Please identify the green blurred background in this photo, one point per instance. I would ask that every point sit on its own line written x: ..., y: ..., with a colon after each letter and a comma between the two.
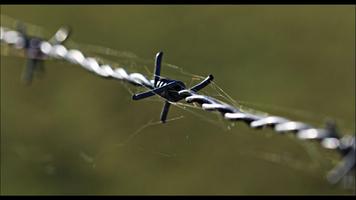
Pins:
x: 61, y: 134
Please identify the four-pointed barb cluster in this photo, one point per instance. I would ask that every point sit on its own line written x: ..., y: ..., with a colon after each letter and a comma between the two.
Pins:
x: 37, y: 49
x: 32, y: 46
x: 167, y: 88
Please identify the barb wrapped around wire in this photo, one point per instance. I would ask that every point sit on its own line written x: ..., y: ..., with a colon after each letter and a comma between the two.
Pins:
x: 38, y: 49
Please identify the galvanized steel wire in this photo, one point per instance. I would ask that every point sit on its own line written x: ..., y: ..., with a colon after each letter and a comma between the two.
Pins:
x: 328, y: 137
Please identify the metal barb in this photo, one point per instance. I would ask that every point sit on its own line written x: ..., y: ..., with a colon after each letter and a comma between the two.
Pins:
x: 173, y: 91
x: 33, y: 50
x: 168, y: 88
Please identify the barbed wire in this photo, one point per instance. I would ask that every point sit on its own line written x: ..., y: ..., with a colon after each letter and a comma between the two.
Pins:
x: 38, y: 49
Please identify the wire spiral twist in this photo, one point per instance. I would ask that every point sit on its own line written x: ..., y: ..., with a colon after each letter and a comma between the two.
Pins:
x: 328, y: 136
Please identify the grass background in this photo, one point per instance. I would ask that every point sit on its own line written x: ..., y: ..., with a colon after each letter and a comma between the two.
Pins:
x: 60, y: 135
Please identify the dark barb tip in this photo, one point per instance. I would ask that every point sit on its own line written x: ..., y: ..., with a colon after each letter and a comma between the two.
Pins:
x: 211, y: 77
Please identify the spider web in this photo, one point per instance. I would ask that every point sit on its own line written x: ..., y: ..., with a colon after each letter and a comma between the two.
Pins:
x: 134, y: 63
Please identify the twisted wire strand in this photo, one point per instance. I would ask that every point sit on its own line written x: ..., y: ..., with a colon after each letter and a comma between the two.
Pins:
x: 328, y: 137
